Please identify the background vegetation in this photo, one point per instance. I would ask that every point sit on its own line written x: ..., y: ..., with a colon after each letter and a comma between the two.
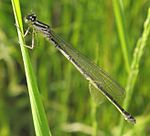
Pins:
x: 91, y: 27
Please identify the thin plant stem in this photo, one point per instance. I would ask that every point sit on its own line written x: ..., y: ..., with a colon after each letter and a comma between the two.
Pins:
x: 138, y: 52
x: 38, y: 112
x: 120, y: 22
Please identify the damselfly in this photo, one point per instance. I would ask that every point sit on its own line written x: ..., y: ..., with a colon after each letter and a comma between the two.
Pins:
x: 94, y: 74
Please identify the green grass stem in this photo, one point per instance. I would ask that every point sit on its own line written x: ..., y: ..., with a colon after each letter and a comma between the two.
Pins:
x: 120, y: 22
x: 38, y: 113
x: 138, y: 52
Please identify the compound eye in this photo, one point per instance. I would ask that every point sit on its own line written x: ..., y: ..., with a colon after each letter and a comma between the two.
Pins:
x: 31, y: 17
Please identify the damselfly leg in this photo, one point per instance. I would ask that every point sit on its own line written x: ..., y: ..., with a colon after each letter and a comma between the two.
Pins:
x: 26, y: 33
x: 33, y: 37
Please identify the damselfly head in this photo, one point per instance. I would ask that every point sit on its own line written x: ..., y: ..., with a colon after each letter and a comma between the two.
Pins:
x: 30, y: 18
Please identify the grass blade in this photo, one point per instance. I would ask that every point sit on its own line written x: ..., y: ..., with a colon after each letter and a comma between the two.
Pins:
x: 38, y: 113
x: 138, y: 52
x: 119, y: 17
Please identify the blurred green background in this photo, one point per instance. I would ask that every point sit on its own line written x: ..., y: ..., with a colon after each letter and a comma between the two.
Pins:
x: 90, y: 27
